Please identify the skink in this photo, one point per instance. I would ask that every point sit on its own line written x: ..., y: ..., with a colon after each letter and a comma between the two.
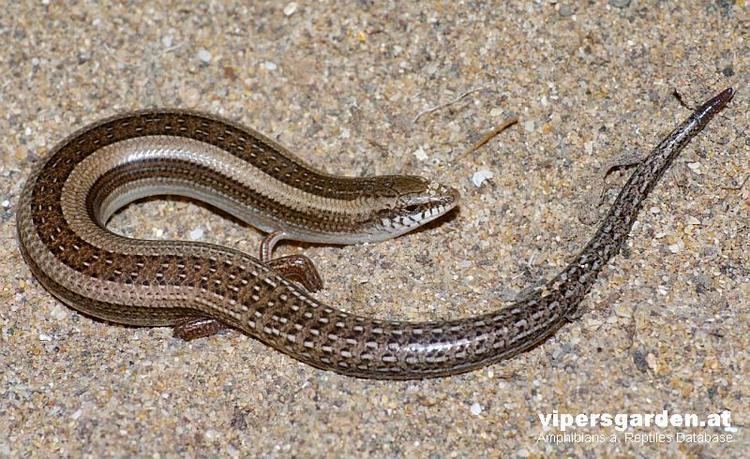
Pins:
x: 69, y: 197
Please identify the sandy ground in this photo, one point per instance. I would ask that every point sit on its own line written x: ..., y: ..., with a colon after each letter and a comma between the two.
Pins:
x: 370, y: 88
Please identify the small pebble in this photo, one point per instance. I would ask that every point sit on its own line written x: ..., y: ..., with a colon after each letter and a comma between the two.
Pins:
x: 20, y: 300
x: 204, y: 56
x: 59, y: 312
x: 480, y: 177
x: 190, y: 96
x: 476, y: 409
x: 167, y: 40
x: 640, y: 360
x: 196, y: 234
x: 420, y: 154
x: 566, y: 11
x: 623, y: 310
x: 270, y: 66
x: 290, y: 9
x: 619, y: 3
x: 44, y: 337
x: 6, y: 204
x: 232, y: 451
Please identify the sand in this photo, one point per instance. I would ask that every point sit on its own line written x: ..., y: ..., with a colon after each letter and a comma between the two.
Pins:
x: 367, y: 88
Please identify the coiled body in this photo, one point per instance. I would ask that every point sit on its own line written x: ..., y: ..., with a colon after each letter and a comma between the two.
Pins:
x: 64, y: 205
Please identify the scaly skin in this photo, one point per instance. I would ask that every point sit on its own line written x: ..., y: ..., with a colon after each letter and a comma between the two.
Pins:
x: 164, y: 282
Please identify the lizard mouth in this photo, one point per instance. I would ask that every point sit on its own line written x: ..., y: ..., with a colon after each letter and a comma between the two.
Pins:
x: 418, y: 209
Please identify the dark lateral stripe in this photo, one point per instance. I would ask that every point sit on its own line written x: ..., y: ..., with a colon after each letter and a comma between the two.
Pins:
x: 253, y: 147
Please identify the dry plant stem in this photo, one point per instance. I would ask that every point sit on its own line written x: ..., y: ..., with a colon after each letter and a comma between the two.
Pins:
x: 488, y: 136
x: 447, y: 104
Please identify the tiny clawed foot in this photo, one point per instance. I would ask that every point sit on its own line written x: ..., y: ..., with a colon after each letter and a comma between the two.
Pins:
x: 298, y: 268
x: 190, y: 328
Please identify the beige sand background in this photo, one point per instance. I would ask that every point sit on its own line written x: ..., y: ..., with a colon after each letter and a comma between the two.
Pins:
x: 341, y: 83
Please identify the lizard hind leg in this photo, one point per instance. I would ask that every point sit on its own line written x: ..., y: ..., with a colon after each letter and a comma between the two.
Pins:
x: 298, y: 268
x: 194, y: 327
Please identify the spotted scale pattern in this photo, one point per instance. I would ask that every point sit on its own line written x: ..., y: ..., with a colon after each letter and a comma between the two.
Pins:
x: 162, y: 282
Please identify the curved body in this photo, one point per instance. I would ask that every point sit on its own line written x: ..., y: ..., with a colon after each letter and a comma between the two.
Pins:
x: 67, y: 200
